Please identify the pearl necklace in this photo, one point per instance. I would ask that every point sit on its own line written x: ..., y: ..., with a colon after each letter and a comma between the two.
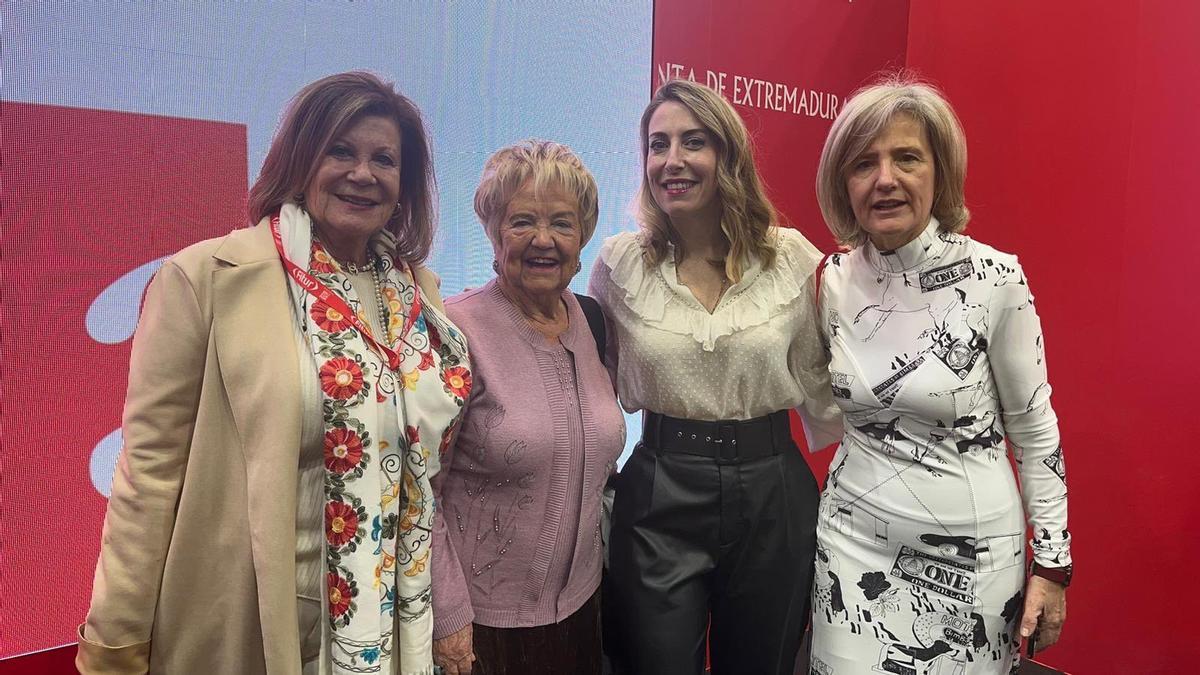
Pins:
x: 380, y: 305
x: 372, y: 266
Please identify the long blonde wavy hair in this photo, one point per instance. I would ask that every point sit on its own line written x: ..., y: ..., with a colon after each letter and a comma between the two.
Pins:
x: 746, y: 212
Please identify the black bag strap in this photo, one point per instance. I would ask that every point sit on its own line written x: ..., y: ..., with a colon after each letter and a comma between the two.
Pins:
x: 595, y: 318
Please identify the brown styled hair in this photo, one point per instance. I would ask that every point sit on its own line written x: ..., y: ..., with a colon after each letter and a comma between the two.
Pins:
x: 317, y: 115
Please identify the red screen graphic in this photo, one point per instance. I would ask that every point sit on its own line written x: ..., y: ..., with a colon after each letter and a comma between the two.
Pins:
x: 786, y: 67
x: 101, y: 194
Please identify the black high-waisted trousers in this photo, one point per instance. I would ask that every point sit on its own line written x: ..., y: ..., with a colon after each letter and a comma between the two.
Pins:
x: 729, y: 539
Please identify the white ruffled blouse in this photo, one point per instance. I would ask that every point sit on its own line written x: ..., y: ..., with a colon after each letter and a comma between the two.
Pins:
x: 758, y: 352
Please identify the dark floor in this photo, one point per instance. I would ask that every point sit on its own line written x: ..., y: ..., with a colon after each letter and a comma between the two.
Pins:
x: 1032, y: 668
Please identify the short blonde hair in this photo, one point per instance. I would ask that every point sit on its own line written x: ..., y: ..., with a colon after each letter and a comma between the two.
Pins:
x: 861, y: 121
x: 746, y: 212
x: 547, y: 163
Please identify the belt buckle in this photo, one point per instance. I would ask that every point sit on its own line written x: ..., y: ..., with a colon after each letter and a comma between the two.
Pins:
x: 727, y: 450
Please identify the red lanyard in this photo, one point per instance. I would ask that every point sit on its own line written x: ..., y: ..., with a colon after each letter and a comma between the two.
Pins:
x: 322, y: 292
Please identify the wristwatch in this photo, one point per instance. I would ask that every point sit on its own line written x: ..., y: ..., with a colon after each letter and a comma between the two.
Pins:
x: 1059, y: 575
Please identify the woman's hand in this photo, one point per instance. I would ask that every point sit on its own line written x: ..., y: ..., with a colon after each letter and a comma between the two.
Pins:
x: 453, y: 652
x: 1045, y: 611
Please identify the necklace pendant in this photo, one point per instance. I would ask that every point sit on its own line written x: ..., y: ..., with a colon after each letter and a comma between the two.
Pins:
x: 354, y: 268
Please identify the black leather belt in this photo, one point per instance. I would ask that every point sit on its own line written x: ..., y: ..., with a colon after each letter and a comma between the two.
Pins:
x: 724, y: 441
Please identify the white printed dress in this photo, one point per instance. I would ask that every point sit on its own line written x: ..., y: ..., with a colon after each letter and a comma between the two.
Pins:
x: 936, y: 357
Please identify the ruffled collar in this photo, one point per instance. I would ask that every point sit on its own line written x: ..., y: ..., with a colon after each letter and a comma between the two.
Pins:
x: 657, y: 297
x: 670, y: 276
x: 927, y: 246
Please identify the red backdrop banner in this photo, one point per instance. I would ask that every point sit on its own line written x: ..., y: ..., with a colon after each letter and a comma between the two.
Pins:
x: 1084, y: 145
x: 83, y: 176
x: 1085, y: 150
x: 787, y: 67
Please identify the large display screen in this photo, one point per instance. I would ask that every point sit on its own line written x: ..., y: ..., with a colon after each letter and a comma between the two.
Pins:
x: 132, y: 129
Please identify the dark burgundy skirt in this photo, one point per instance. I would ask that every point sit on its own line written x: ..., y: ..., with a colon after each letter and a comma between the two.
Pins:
x: 569, y: 646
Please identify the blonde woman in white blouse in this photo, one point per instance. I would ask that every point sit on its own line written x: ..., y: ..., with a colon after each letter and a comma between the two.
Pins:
x: 714, y: 338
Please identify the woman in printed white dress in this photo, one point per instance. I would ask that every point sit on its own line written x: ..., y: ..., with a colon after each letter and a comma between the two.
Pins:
x: 715, y: 339
x: 936, y: 356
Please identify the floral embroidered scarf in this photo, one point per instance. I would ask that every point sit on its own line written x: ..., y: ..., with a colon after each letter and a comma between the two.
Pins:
x: 378, y: 426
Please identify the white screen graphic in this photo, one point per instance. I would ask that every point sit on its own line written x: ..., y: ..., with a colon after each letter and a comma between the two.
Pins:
x: 484, y: 74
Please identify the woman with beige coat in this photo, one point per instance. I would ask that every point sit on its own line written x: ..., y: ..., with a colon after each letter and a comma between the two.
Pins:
x: 290, y: 389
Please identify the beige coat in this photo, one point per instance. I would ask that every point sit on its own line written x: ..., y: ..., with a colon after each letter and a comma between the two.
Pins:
x: 197, y: 570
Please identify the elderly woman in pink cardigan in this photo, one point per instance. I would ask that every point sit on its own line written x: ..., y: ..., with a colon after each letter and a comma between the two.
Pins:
x: 517, y: 532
